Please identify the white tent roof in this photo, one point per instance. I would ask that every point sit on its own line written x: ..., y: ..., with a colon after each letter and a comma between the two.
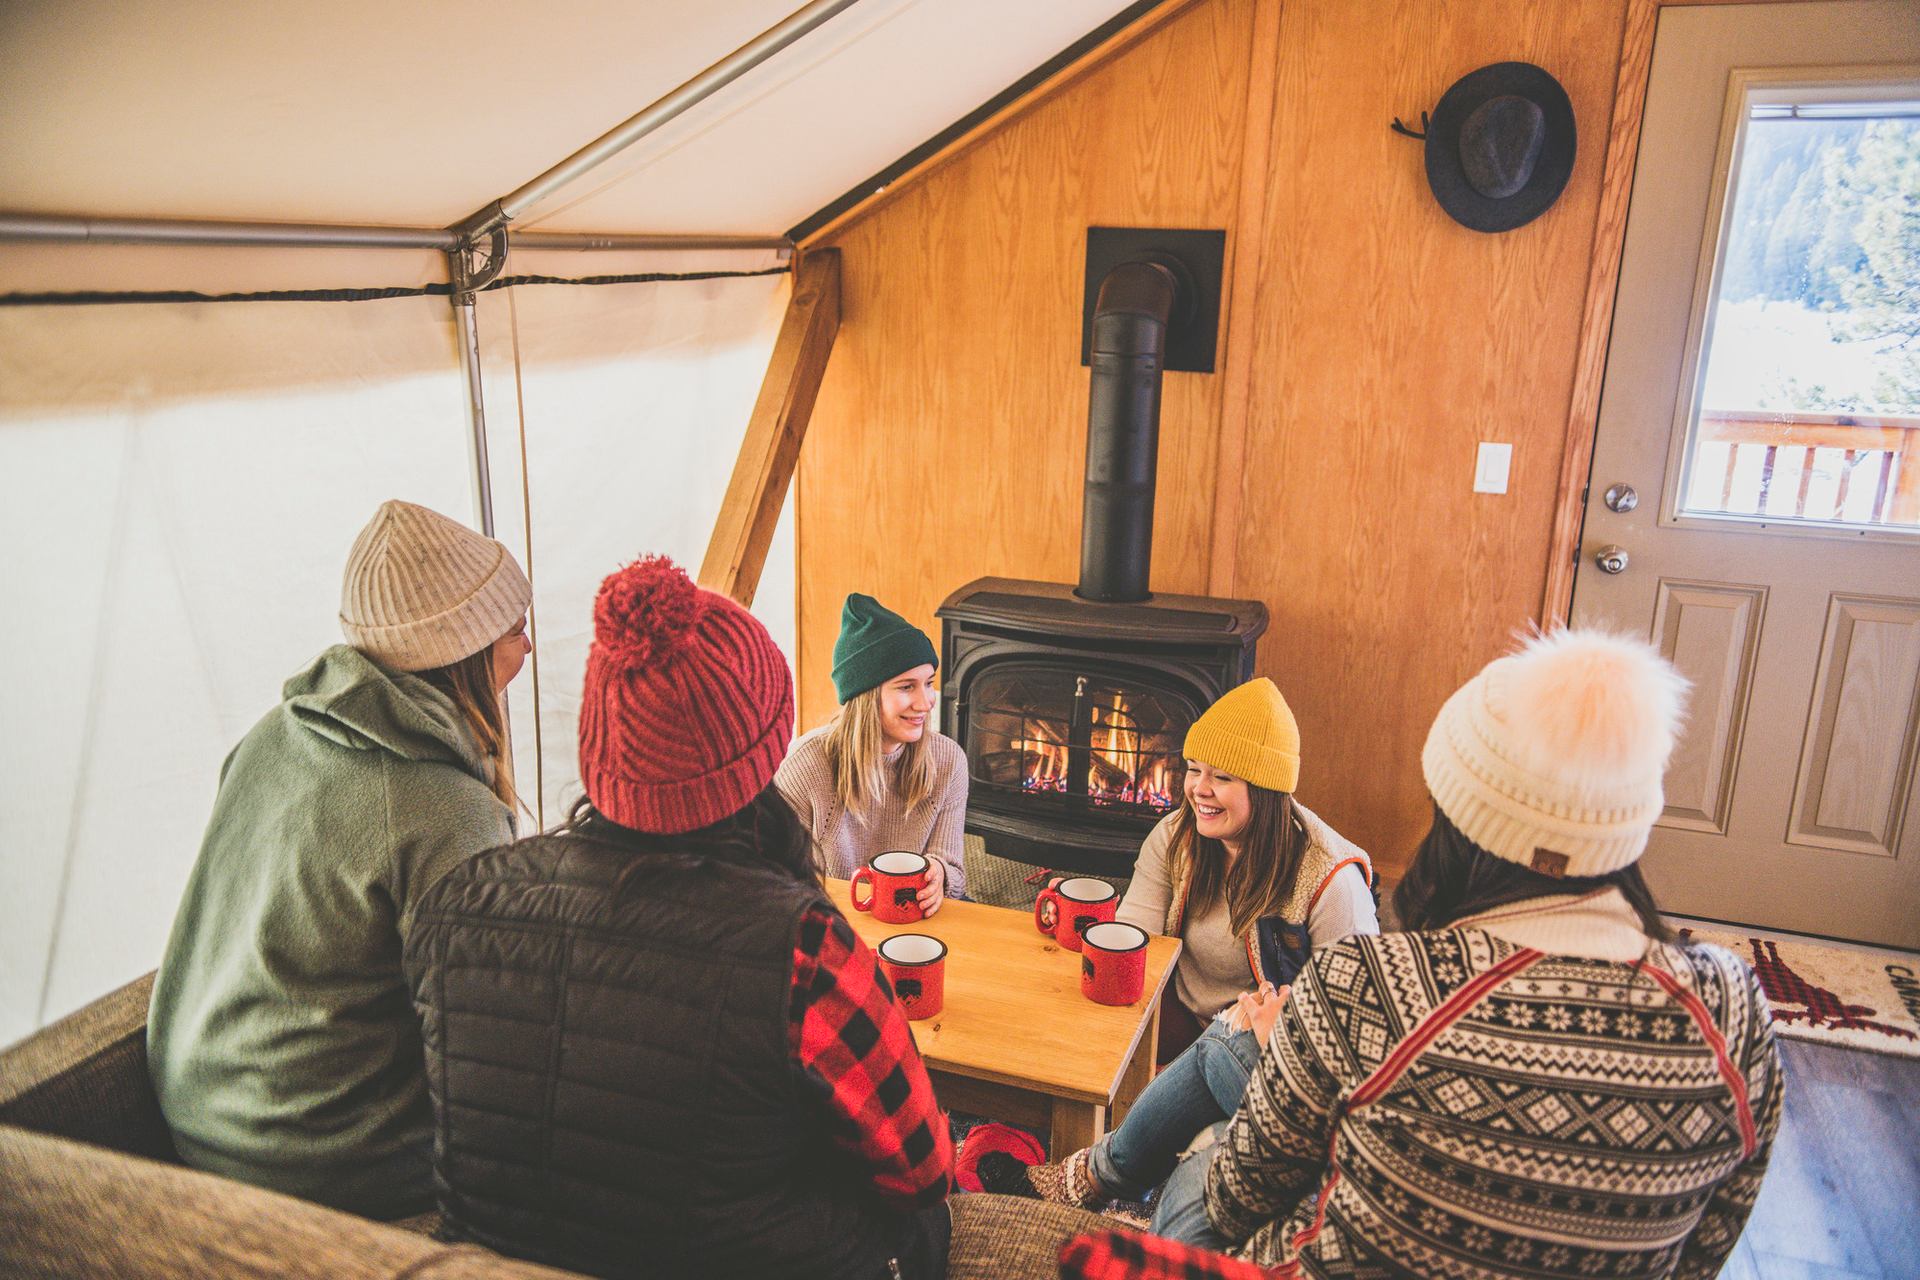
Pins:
x: 417, y: 113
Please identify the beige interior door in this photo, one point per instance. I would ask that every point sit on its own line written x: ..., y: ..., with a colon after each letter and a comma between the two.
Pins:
x: 1762, y: 401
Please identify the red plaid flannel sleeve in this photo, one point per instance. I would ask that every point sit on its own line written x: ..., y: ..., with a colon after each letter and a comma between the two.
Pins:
x: 851, y: 1043
x: 1127, y: 1255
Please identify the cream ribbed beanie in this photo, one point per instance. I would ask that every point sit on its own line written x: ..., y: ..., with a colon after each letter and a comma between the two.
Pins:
x: 424, y: 591
x: 1552, y: 757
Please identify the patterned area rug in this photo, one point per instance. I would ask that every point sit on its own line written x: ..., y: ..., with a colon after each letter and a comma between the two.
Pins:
x: 1852, y: 997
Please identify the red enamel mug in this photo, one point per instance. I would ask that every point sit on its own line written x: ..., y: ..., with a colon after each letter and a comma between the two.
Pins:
x: 1113, y: 963
x: 894, y: 881
x: 916, y: 969
x: 1068, y: 908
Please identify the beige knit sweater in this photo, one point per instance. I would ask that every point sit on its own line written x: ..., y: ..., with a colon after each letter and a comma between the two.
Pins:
x: 843, y: 843
x: 1212, y: 970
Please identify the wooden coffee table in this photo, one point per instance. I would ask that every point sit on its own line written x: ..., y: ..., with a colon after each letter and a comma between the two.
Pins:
x: 1016, y: 1040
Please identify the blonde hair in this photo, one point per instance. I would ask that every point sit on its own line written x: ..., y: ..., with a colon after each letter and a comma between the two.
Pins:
x: 863, y: 777
x: 469, y: 682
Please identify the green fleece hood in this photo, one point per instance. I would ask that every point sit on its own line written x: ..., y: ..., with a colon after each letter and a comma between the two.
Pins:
x: 348, y: 698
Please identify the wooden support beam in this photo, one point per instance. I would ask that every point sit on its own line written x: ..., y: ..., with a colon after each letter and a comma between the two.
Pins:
x: 761, y: 475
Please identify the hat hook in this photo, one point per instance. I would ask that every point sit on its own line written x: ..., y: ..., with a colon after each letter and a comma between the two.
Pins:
x: 1399, y: 128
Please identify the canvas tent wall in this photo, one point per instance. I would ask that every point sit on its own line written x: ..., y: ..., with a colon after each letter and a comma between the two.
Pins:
x: 182, y: 478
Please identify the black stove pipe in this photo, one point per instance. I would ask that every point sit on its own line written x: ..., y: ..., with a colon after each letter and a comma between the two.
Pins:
x: 1123, y: 430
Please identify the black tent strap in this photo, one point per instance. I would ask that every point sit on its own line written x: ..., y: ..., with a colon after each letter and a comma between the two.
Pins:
x: 357, y: 295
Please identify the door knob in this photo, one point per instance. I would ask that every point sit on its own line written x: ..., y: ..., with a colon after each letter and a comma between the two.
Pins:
x: 1611, y: 559
x: 1621, y: 498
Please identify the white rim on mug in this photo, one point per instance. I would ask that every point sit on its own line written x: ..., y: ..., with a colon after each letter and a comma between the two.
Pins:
x: 1086, y: 891
x: 1110, y: 935
x: 899, y: 863
x: 917, y: 949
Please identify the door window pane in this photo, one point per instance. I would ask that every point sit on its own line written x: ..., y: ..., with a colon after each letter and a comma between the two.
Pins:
x: 1808, y: 406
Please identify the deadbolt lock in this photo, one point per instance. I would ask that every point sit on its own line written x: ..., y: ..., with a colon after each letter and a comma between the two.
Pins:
x: 1620, y: 498
x: 1611, y: 559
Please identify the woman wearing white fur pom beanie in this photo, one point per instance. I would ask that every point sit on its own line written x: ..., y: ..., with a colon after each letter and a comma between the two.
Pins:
x: 1539, y: 1080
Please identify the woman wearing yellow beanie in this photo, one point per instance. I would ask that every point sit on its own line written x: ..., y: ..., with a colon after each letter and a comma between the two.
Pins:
x: 1251, y: 881
x: 1242, y: 872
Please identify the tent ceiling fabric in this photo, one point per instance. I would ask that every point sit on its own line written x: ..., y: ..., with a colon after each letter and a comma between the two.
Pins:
x: 359, y: 111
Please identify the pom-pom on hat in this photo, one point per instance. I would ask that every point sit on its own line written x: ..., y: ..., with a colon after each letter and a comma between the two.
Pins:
x: 423, y: 591
x: 1552, y: 757
x: 1250, y: 733
x: 688, y: 707
x: 875, y: 645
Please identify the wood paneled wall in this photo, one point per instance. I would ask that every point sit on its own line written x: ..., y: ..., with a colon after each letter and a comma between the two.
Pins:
x: 1380, y: 341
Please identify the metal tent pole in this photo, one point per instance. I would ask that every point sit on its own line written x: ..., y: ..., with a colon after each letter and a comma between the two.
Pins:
x: 65, y: 229
x: 468, y: 280
x: 620, y: 137
x: 54, y: 227
x: 463, y: 319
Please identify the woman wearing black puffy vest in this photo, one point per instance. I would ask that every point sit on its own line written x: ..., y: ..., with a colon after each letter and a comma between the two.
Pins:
x: 654, y: 1048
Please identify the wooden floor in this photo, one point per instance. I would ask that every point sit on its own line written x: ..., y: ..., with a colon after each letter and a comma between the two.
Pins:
x: 1842, y: 1196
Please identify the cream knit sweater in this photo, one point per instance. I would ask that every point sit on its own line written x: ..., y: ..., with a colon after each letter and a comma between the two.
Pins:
x: 843, y: 843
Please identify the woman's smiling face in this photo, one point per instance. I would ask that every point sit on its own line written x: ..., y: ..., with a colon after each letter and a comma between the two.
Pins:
x: 1221, y: 805
x: 905, y: 702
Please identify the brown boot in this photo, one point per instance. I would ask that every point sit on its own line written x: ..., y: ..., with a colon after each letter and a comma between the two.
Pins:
x: 1070, y: 1182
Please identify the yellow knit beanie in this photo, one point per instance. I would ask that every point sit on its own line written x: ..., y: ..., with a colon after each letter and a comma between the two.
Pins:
x: 1251, y: 734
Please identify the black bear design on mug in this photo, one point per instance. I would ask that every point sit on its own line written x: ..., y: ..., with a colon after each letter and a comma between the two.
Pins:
x: 1082, y: 923
x: 1086, y: 966
x: 907, y: 989
x: 905, y: 897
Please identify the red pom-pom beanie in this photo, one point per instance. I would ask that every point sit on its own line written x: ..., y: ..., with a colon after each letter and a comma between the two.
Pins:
x: 688, y: 707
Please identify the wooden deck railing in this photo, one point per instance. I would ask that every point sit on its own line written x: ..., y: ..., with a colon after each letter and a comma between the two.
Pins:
x: 1886, y: 446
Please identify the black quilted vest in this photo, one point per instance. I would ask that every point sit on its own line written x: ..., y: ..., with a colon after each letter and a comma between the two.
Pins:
x: 610, y: 1074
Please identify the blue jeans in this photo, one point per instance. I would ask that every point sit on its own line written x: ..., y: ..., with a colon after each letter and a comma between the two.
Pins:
x: 1200, y: 1087
x: 1181, y: 1212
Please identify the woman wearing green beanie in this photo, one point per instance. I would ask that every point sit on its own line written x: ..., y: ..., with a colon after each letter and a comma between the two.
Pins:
x: 878, y: 777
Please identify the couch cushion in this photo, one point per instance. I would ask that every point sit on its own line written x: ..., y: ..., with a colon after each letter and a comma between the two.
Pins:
x: 85, y: 1077
x: 1010, y: 1238
x: 72, y: 1210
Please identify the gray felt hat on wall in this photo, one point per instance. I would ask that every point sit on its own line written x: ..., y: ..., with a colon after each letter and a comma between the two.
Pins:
x: 1499, y: 145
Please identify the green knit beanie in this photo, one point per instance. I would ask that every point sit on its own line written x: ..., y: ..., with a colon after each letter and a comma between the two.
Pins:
x: 875, y: 645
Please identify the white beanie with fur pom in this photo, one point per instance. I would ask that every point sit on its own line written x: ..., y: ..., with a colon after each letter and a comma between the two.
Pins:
x: 1552, y: 757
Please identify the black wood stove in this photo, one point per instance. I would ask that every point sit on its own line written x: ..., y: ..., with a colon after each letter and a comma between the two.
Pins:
x: 1073, y: 702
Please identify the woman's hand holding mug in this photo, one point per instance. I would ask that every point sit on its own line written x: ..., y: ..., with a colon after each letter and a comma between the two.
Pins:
x: 934, y: 892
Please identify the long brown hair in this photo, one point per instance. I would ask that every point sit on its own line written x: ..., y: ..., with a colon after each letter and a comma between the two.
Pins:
x: 1452, y: 878
x: 1261, y: 878
x: 857, y: 754
x: 469, y: 682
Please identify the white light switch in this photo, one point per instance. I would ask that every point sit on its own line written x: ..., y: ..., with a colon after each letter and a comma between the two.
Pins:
x: 1490, y: 467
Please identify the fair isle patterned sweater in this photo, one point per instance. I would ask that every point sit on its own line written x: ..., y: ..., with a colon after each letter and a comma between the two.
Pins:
x: 1479, y: 1102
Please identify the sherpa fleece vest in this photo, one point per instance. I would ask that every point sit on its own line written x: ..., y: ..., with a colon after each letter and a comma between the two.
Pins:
x: 610, y: 1073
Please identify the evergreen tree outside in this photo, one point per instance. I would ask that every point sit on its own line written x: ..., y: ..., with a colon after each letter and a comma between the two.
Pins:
x: 1879, y: 186
x: 1822, y: 258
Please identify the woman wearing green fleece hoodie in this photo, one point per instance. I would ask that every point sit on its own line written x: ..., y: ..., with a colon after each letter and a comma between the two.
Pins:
x: 282, y: 1040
